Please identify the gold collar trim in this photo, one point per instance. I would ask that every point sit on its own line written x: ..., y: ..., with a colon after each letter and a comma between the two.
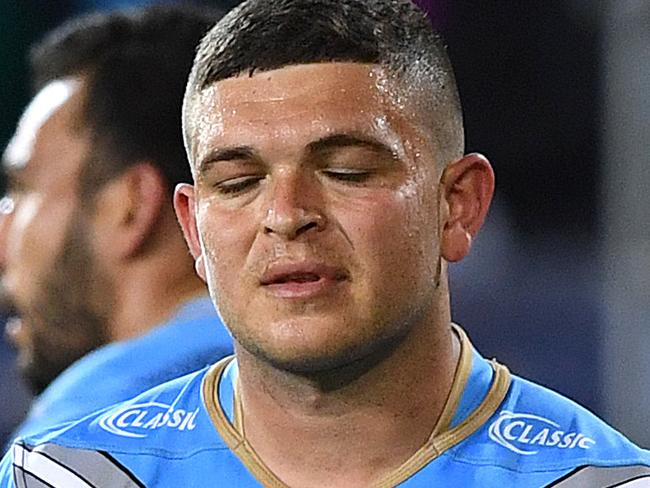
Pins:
x: 461, y: 376
x: 236, y: 442
x: 442, y: 438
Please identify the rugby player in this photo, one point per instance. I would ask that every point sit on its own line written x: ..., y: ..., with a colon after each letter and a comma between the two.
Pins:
x: 94, y: 265
x: 330, y: 193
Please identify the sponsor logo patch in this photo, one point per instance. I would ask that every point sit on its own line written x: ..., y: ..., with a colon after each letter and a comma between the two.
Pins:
x: 525, y: 433
x: 140, y: 419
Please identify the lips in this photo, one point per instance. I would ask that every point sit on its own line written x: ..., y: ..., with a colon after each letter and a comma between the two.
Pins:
x: 298, y: 277
x: 301, y: 273
x: 302, y: 280
x: 15, y: 331
x: 7, y: 304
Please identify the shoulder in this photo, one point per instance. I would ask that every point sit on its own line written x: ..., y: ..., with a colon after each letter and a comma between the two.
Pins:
x: 6, y: 471
x: 164, y: 437
x: 192, y: 339
x: 169, y: 420
x: 538, y: 430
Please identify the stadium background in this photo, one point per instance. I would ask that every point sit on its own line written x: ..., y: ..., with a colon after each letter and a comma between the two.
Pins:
x: 555, y: 94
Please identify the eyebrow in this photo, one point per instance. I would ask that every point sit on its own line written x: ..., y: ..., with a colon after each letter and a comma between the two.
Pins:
x: 341, y: 140
x: 226, y: 154
x: 324, y: 144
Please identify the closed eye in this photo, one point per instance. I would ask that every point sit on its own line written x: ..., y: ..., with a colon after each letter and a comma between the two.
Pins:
x: 237, y: 185
x: 348, y: 175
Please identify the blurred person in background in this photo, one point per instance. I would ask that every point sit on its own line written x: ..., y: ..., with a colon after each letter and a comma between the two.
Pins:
x: 17, y: 32
x: 331, y: 190
x: 95, y: 272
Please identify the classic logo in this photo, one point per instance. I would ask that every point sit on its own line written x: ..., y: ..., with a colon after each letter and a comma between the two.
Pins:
x: 524, y: 433
x: 140, y: 419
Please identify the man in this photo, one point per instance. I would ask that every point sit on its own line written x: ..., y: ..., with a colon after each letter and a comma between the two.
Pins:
x: 330, y: 191
x: 106, y: 300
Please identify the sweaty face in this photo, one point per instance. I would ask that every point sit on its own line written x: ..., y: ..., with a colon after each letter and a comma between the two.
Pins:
x: 48, y: 274
x: 316, y: 201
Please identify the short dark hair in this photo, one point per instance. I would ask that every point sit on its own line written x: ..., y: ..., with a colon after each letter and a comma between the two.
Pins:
x: 135, y: 65
x: 262, y: 35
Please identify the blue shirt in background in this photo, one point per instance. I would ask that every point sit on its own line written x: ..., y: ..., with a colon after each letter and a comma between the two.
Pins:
x: 191, y: 339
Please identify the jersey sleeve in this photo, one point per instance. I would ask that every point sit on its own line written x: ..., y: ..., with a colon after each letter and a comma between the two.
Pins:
x: 6, y: 472
x: 54, y: 466
x: 636, y: 476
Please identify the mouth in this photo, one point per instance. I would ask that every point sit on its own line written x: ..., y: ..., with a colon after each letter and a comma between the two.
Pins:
x: 301, y: 280
x: 14, y: 330
x: 8, y: 306
x: 297, y: 277
x: 13, y: 323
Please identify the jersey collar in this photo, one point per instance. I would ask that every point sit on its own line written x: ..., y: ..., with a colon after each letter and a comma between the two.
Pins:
x: 478, y: 388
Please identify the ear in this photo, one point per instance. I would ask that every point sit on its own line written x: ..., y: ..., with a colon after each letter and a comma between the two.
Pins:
x: 127, y: 210
x: 185, y: 207
x: 467, y: 186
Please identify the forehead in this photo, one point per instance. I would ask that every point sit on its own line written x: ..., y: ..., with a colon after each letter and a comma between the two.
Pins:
x: 48, y: 132
x: 295, y: 103
x: 43, y: 112
x: 292, y: 84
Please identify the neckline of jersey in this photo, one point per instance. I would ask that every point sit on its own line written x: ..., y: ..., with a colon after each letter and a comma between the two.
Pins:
x: 442, y: 437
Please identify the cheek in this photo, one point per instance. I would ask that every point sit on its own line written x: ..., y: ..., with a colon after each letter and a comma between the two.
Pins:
x: 226, y: 237
x: 396, y: 236
x: 34, y: 240
x: 24, y: 222
x: 37, y: 229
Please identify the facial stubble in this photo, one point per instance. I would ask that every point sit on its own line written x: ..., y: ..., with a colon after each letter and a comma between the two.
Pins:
x: 68, y: 317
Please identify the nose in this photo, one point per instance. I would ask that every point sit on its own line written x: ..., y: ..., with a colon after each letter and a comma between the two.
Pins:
x: 293, y: 208
x: 6, y: 212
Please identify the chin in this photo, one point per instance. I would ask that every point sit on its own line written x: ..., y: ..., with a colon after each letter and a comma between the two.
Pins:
x: 311, y: 364
x: 330, y: 363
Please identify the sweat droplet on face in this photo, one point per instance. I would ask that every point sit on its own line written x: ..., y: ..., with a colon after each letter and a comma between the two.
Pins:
x: 387, y: 85
x: 408, y: 190
x: 381, y: 123
x: 207, y: 120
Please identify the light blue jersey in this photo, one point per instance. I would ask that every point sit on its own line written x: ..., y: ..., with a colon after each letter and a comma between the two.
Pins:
x: 191, y: 339
x: 496, y: 430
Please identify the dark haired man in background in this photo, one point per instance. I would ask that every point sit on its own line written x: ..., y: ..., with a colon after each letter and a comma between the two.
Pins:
x: 105, y: 300
x: 330, y: 192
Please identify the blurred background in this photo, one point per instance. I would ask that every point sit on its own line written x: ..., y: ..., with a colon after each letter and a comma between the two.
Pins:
x: 555, y: 93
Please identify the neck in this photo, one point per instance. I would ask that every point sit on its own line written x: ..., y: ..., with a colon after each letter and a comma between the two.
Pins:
x: 148, y: 293
x: 317, y: 432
